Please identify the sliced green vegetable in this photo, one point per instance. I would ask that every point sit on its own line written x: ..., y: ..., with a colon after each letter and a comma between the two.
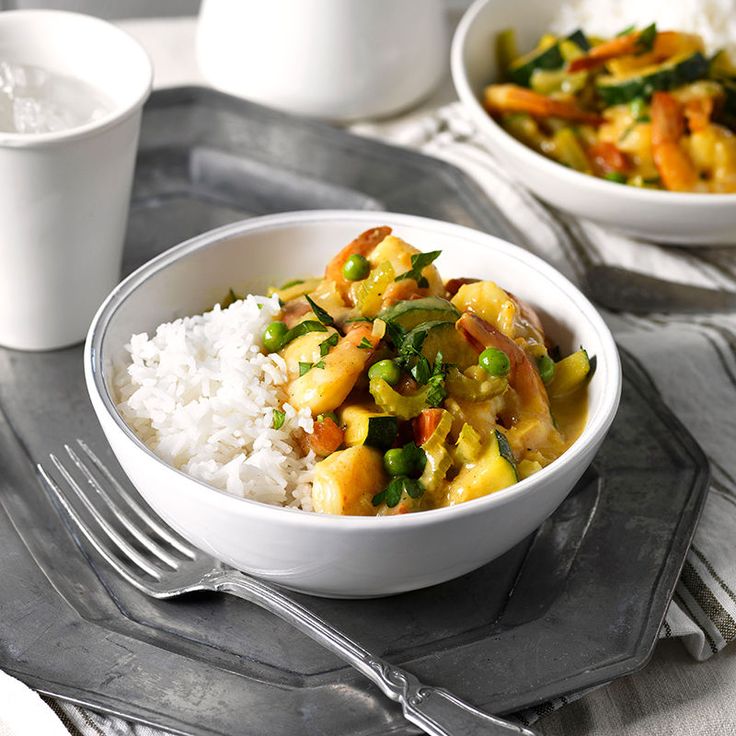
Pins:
x: 520, y: 72
x: 618, y: 90
x: 721, y: 66
x: 491, y: 472
x: 506, y: 51
x: 468, y: 446
x: 412, y: 312
x: 438, y: 458
x: 549, y: 57
x: 367, y: 426
x: 431, y: 338
x: 549, y: 81
x: 465, y: 388
x: 370, y: 292
x: 546, y: 367
x: 392, y: 402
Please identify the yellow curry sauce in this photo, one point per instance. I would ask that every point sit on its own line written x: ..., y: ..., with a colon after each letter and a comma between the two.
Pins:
x: 424, y: 393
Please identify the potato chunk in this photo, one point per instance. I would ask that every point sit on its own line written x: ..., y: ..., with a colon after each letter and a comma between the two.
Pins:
x: 346, y: 481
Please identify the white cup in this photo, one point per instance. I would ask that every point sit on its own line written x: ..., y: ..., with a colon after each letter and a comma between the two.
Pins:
x: 64, y: 196
x: 334, y: 59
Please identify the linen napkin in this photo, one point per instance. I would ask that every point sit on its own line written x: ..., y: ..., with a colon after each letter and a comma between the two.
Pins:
x: 691, y: 360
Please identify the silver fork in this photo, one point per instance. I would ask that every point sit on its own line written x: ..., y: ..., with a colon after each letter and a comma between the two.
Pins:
x: 168, y: 573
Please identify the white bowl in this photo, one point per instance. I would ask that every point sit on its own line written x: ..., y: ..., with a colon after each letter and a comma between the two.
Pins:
x: 320, y: 553
x: 668, y: 217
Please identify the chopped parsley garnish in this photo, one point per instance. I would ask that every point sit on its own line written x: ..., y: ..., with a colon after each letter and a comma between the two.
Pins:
x: 278, y: 418
x: 419, y: 261
x: 436, y: 382
x: 392, y: 493
x: 365, y: 344
x: 359, y: 319
x: 322, y: 315
x: 306, y: 367
x: 626, y: 31
x: 325, y: 345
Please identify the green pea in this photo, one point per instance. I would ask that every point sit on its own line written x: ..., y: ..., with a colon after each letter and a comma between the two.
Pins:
x: 386, y: 369
x: 494, y: 362
x: 546, y: 368
x: 356, y: 267
x: 397, y: 462
x: 273, y: 336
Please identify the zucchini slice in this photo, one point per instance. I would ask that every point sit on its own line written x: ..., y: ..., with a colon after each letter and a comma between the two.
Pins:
x: 490, y: 473
x: 412, y: 312
x: 570, y: 374
x: 435, y: 337
x: 544, y: 57
x: 644, y: 82
x: 366, y: 425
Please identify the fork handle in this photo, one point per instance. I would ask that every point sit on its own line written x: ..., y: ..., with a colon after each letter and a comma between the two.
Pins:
x: 435, y: 710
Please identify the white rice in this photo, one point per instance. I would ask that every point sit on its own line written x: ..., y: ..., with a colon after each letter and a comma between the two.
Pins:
x: 201, y: 395
x: 714, y: 20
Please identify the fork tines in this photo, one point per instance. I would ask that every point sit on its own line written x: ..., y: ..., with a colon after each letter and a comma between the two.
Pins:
x: 158, y: 547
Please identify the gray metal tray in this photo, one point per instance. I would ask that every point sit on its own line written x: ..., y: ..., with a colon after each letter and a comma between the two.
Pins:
x: 579, y: 603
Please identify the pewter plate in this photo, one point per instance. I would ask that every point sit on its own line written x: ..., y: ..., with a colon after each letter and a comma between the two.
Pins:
x: 578, y: 604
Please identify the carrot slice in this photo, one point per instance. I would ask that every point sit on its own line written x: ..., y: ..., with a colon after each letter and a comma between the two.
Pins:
x: 425, y: 424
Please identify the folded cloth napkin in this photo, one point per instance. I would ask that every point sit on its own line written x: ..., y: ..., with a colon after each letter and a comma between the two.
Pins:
x: 691, y: 360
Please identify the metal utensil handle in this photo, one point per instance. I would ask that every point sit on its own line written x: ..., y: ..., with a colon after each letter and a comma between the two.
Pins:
x: 437, y: 711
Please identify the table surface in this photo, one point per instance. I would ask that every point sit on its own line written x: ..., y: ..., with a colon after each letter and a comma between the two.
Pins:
x: 674, y: 695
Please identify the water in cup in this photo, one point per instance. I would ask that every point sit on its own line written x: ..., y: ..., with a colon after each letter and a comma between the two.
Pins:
x: 36, y: 100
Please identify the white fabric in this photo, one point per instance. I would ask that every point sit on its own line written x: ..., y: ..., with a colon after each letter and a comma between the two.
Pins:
x: 22, y: 712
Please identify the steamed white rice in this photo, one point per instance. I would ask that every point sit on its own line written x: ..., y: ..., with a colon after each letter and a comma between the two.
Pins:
x: 201, y: 395
x: 714, y: 20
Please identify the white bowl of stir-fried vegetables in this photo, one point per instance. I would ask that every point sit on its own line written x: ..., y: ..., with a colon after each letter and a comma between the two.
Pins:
x: 635, y: 131
x: 453, y: 446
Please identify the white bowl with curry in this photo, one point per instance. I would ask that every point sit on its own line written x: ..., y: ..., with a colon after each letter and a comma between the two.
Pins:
x: 635, y: 131
x: 451, y: 389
